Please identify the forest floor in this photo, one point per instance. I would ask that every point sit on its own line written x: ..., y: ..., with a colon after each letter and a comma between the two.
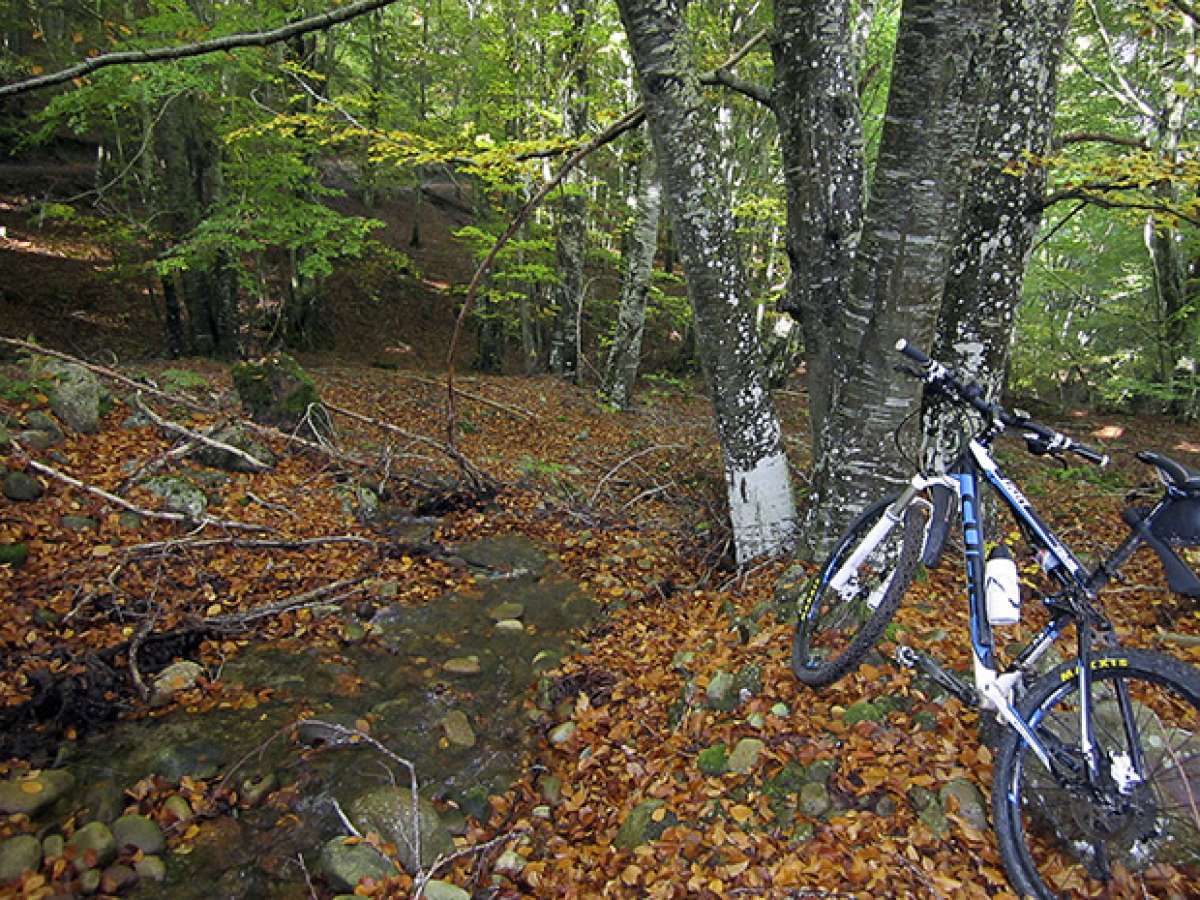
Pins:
x: 628, y: 505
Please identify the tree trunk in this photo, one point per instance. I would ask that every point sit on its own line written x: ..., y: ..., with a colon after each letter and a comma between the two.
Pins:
x: 816, y: 101
x: 1003, y: 209
x: 571, y: 207
x: 189, y: 186
x: 901, y: 262
x: 756, y: 471
x: 640, y: 243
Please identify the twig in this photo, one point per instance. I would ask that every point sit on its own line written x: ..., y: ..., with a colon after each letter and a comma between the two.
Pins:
x: 443, y: 861
x: 278, y: 507
x: 312, y: 890
x: 346, y: 823
x: 135, y: 645
x: 228, y: 42
x: 246, y: 543
x: 238, y: 621
x: 131, y: 507
x: 613, y: 471
x: 197, y: 437
x: 355, y: 737
x: 475, y: 474
x: 486, y: 401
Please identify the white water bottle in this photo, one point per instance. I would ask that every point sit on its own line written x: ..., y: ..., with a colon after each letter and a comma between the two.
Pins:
x: 1001, y: 587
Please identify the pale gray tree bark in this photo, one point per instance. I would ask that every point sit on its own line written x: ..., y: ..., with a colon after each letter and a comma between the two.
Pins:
x: 571, y: 209
x: 899, y: 264
x: 1003, y: 207
x: 756, y: 472
x: 640, y: 243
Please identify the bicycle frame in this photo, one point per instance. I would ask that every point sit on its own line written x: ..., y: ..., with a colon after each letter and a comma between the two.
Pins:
x: 995, y: 688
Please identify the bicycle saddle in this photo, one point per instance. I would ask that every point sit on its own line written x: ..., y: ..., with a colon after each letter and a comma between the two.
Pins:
x: 1178, y: 474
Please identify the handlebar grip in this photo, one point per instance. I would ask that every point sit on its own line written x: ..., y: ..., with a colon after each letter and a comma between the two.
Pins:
x: 1093, y: 456
x: 903, y: 346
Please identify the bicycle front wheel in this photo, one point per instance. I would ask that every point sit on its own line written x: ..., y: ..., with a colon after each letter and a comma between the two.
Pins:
x: 1134, y: 832
x: 843, y: 613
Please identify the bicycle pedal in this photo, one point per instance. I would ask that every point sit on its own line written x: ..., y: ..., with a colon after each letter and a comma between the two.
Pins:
x: 911, y: 658
x: 906, y: 657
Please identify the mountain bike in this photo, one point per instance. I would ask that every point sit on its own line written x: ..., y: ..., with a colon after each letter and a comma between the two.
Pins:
x: 1096, y: 782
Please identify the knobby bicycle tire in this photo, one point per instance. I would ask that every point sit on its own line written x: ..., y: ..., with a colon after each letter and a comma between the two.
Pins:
x: 1142, y: 840
x: 835, y: 630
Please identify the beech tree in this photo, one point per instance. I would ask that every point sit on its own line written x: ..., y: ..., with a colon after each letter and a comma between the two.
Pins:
x: 756, y: 472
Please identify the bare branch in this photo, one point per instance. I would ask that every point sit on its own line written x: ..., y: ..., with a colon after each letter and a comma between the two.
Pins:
x: 195, y: 436
x: 318, y: 22
x: 51, y: 472
x: 755, y: 92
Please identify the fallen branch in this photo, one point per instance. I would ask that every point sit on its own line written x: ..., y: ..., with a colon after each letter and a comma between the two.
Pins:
x: 477, y: 476
x: 326, y: 594
x: 201, y: 521
x: 197, y: 437
x: 245, y: 544
x: 478, y: 398
x: 619, y: 466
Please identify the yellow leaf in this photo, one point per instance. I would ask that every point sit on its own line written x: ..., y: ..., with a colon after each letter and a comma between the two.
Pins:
x: 659, y: 814
x: 741, y: 813
x: 214, y: 610
x: 32, y: 787
x: 102, y: 550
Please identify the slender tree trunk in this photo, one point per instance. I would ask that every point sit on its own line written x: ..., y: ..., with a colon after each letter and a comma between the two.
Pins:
x: 756, y: 471
x: 900, y: 264
x: 640, y: 243
x: 815, y: 97
x: 571, y: 208
x: 1003, y: 209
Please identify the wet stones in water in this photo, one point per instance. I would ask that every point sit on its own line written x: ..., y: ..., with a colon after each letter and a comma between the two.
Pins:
x: 462, y: 665
x: 175, y: 678
x: 345, y: 865
x: 508, y: 554
x: 139, y: 832
x: 34, y: 792
x: 458, y: 729
x: 17, y: 855
x: 333, y: 730
x: 199, y: 759
x: 502, y: 611
x: 104, y: 800
x: 93, y: 846
x: 21, y: 488
x: 389, y: 813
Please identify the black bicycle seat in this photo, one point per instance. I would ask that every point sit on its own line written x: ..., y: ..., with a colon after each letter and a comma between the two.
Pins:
x: 1177, y: 474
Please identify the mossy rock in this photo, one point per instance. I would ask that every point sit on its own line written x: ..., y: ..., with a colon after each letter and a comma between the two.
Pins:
x: 276, y: 391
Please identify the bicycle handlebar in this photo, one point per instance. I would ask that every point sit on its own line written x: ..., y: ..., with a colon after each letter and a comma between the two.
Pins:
x: 1040, y: 440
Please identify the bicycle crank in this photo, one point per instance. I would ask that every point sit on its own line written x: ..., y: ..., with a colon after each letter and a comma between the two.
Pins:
x: 911, y: 658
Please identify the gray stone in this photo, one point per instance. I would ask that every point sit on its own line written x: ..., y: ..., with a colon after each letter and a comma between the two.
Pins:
x: 560, y: 734
x: 178, y: 495
x: 199, y: 759
x: 178, y: 808
x: 235, y: 436
x: 511, y: 863
x: 151, y: 868
x: 458, y: 729
x: 463, y: 665
x: 21, y: 487
x: 79, y: 523
x: 969, y: 799
x: 104, y: 800
x: 444, y: 890
x: 75, y: 394
x: 14, y: 555
x: 276, y: 391
x: 53, y: 846
x: 33, y: 793
x: 253, y: 789
x: 814, y: 799
x: 47, y: 425
x: 89, y: 881
x: 94, y: 846
x: 388, y: 812
x: 509, y: 626
x: 345, y: 865
x: 720, y: 691
x: 643, y: 825
x: 117, y: 879
x: 129, y: 520
x: 863, y: 711
x: 745, y: 755
x: 177, y: 677
x: 550, y: 787
x: 22, y: 853
x: 32, y: 439
x: 502, y: 611
x: 140, y: 832
x: 507, y: 553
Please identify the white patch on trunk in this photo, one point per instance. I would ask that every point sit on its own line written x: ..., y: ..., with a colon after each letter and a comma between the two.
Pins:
x: 760, y: 507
